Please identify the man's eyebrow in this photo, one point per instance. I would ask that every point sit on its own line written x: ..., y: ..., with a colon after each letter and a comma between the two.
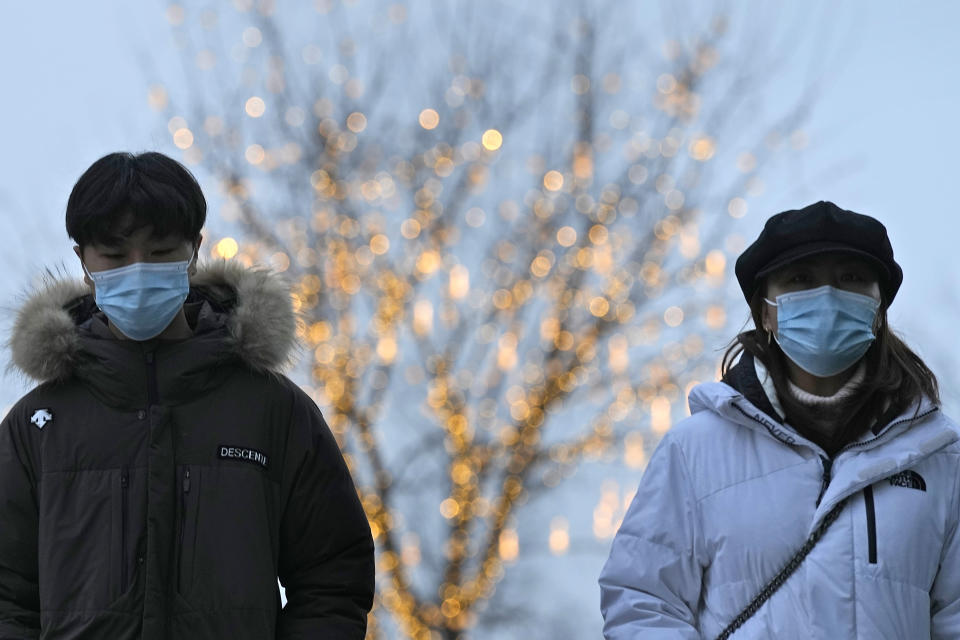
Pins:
x: 112, y: 242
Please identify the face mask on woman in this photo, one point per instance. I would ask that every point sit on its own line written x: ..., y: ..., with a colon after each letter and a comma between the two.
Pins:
x: 143, y: 298
x: 825, y: 331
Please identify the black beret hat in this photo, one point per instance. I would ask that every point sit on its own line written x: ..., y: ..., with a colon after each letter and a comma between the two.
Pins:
x: 818, y: 228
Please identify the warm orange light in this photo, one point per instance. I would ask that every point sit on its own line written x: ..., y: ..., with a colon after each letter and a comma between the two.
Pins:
x: 459, y: 282
x: 255, y: 107
x: 449, y: 508
x: 356, y: 122
x: 634, y: 454
x: 428, y: 262
x: 183, y: 138
x: 379, y: 244
x: 660, y: 414
x: 553, y: 180
x: 702, y: 149
x: 559, y: 536
x: 429, y: 119
x: 255, y: 154
x: 716, y: 317
x: 422, y: 317
x: 492, y: 139
x: 566, y: 236
x: 737, y: 208
x: 715, y: 263
x: 387, y: 349
x: 673, y: 316
x: 509, y: 545
x: 540, y: 266
x: 226, y: 248
x: 157, y: 97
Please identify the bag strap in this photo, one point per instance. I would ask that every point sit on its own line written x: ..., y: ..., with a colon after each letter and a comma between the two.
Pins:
x: 791, y: 566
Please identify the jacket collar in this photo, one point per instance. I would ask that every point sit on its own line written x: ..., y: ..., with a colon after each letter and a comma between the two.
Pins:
x: 749, y: 377
x: 900, y: 444
x: 238, y: 314
x: 732, y: 404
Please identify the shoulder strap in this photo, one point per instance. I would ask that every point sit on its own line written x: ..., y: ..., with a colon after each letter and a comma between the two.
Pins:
x: 778, y: 580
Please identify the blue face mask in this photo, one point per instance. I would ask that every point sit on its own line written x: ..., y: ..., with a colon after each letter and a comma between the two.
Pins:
x: 825, y: 330
x: 142, y: 299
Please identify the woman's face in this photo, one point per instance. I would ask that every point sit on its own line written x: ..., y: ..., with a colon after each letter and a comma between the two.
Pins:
x: 839, y: 270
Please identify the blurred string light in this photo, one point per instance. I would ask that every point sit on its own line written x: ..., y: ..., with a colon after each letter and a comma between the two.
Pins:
x: 255, y: 107
x: 429, y: 119
x: 492, y: 139
x: 571, y: 301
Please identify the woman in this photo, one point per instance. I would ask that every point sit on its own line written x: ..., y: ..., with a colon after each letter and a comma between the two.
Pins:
x: 813, y: 492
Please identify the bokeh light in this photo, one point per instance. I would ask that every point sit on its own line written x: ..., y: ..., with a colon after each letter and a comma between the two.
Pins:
x: 429, y: 119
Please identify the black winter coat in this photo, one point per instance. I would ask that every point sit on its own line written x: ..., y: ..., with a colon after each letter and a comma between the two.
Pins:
x: 157, y: 490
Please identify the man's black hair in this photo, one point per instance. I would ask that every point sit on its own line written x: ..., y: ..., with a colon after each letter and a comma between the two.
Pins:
x: 150, y: 189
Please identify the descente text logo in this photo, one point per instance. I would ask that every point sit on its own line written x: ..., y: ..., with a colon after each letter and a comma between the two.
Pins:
x: 241, y: 453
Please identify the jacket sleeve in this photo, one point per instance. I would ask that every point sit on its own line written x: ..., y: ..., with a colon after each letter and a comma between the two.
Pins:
x: 945, y: 593
x: 326, y: 551
x: 19, y: 590
x: 650, y: 584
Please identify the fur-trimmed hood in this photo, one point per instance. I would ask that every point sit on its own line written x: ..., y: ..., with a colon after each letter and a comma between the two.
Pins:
x: 253, y: 305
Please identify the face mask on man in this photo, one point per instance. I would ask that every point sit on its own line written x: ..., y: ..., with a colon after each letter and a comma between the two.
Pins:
x: 142, y: 299
x: 825, y: 330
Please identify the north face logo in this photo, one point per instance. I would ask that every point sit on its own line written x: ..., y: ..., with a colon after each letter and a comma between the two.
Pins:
x: 909, y: 479
x: 41, y: 417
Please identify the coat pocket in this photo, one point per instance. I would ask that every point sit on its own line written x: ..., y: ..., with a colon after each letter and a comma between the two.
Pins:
x: 187, y: 525
x: 871, y: 525
x: 234, y: 565
x: 124, y: 527
x: 79, y: 539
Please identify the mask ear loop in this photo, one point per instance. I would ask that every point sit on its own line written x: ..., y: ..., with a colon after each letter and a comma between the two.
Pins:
x: 769, y: 332
x: 194, y: 261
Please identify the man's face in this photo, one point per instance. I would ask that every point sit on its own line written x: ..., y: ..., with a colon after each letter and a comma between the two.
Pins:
x: 138, y: 246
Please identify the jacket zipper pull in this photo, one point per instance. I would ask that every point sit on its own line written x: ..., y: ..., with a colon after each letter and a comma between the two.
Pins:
x: 124, y: 478
x: 825, y: 481
x: 186, y: 480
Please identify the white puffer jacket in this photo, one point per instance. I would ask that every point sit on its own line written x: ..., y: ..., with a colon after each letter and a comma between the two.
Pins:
x: 730, y: 495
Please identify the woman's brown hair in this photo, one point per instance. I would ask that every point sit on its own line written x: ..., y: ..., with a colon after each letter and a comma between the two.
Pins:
x: 894, y: 380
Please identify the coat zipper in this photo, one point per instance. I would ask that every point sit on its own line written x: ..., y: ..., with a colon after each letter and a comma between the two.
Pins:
x: 124, y: 490
x: 854, y: 445
x: 828, y: 462
x: 871, y: 525
x: 825, y: 481
x: 183, y: 517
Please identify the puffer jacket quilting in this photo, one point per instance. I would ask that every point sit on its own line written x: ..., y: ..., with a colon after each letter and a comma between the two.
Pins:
x: 731, y: 494
x: 157, y: 490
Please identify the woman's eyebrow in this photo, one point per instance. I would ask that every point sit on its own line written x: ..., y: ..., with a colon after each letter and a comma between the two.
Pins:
x: 853, y: 263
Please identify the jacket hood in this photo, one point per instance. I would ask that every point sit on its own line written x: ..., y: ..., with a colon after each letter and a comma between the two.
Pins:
x: 253, y: 306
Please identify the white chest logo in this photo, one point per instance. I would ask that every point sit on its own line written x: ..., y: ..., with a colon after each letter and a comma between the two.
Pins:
x: 41, y: 417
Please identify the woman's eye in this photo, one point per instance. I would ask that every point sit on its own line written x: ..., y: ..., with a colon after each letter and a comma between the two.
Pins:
x: 798, y: 278
x: 112, y: 256
x: 851, y: 277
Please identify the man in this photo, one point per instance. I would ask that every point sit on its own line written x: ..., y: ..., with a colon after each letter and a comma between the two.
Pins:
x: 165, y: 474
